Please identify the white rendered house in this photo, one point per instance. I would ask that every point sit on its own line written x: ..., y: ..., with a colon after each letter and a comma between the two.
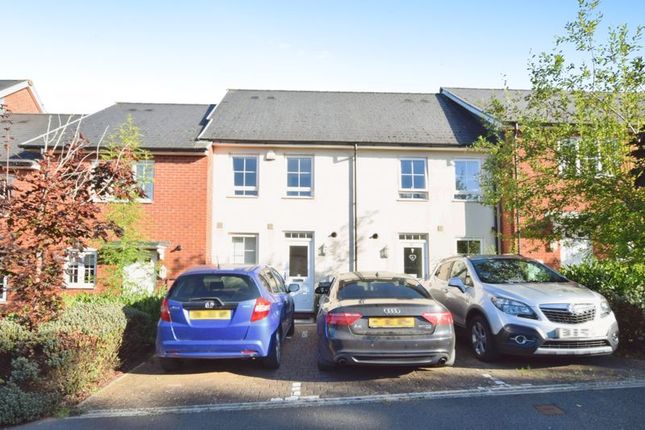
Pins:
x: 317, y: 182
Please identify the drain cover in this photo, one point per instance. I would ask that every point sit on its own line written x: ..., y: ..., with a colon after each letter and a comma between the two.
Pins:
x: 549, y: 409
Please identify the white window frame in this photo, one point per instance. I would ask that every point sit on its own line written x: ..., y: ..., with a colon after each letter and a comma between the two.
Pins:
x: 466, y: 195
x: 5, y: 285
x: 575, y: 142
x: 80, y: 283
x: 468, y: 239
x: 244, y: 189
x: 409, y: 193
x: 300, y: 190
x: 151, y: 162
x: 244, y: 236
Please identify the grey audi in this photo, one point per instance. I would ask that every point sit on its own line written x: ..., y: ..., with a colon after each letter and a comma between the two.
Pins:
x: 378, y: 318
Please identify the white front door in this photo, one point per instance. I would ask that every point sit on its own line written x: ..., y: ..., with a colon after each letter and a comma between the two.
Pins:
x: 413, y: 255
x: 141, y: 277
x: 300, y: 269
x: 574, y: 251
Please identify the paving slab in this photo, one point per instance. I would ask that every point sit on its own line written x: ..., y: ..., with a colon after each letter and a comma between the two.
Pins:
x: 202, y: 382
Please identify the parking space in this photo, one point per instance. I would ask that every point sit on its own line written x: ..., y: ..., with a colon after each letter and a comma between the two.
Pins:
x: 208, y: 382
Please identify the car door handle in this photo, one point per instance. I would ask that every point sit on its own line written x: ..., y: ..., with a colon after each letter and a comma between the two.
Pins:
x: 445, y: 290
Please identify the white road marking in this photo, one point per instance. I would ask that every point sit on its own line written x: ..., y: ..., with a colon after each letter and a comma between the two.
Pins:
x: 311, y: 401
x: 305, y: 333
x: 495, y: 380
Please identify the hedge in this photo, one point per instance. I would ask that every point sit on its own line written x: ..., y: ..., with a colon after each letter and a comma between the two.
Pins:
x: 624, y: 287
x: 64, y: 359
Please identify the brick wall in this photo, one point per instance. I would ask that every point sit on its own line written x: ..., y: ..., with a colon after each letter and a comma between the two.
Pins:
x: 179, y: 212
x: 22, y: 101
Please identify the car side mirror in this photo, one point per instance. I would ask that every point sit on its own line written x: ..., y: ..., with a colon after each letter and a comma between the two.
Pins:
x: 323, y: 288
x: 293, y: 288
x: 457, y: 283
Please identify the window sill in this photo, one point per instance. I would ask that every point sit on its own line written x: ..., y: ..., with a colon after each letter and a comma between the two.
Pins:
x: 80, y: 287
x: 233, y: 196
x: 297, y: 197
x: 401, y: 199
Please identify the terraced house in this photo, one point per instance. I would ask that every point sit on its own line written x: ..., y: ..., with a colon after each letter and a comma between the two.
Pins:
x: 310, y: 182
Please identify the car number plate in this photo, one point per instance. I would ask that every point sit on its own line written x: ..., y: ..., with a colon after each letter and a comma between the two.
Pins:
x: 395, y: 322
x: 570, y: 333
x: 211, y: 314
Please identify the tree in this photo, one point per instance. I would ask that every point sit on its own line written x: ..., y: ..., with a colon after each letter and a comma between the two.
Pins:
x: 126, y: 215
x: 54, y: 214
x: 567, y: 158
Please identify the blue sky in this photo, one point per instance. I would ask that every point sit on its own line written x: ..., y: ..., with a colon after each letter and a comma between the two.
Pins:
x: 85, y: 55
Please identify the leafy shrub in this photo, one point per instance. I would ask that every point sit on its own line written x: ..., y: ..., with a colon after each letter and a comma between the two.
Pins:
x: 65, y: 358
x: 17, y: 406
x: 624, y: 287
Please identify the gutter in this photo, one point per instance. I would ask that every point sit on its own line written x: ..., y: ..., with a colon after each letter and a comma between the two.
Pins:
x: 344, y: 145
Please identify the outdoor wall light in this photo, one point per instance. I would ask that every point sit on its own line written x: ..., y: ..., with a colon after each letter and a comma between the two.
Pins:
x: 176, y: 248
x: 322, y: 251
x: 383, y: 252
x: 333, y: 234
x: 270, y: 156
x: 374, y: 236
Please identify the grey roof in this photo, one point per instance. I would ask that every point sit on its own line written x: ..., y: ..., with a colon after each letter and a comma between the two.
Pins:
x: 163, y: 126
x: 412, y: 119
x: 25, y: 126
x: 482, y: 98
x: 7, y: 83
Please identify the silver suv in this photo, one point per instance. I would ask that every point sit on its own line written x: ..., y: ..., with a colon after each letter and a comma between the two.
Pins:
x: 515, y: 305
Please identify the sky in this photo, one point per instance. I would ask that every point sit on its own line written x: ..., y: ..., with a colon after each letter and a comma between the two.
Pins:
x: 85, y: 55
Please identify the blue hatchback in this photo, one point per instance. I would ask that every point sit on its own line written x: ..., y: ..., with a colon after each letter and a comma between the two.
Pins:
x: 242, y: 312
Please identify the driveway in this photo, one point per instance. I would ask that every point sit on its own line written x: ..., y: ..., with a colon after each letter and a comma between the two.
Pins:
x: 220, y: 382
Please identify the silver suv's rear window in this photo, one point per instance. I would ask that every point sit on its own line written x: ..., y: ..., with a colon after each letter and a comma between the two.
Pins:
x: 381, y: 289
x: 513, y: 271
x: 227, y: 288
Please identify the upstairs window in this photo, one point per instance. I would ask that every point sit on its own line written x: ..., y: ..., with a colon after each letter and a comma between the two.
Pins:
x: 577, y: 157
x: 467, y: 179
x: 413, y: 184
x: 299, y: 176
x: 144, y: 174
x: 3, y: 285
x: 245, y: 175
x: 80, y: 269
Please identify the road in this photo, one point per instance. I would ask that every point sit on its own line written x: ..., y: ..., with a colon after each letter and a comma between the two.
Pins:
x: 609, y: 406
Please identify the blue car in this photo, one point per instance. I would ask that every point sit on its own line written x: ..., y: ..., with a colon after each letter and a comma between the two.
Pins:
x: 242, y: 312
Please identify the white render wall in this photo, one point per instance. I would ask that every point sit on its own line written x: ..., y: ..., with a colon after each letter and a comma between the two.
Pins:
x: 380, y: 210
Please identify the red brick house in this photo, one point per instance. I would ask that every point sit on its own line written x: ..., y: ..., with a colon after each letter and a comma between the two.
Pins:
x: 177, y: 203
x: 478, y: 101
x: 19, y: 96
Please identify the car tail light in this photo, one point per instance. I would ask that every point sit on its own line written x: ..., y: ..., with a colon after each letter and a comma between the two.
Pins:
x: 342, y: 318
x: 261, y: 309
x: 438, y: 318
x: 164, y: 314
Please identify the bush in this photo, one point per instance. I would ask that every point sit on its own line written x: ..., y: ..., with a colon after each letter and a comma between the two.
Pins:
x: 624, y: 287
x: 65, y: 358
x: 17, y: 406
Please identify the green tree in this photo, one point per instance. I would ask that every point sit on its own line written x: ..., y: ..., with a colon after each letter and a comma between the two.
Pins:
x: 567, y: 158
x: 127, y: 214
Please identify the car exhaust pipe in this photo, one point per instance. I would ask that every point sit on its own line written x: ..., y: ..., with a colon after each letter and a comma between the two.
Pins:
x: 342, y: 361
x: 443, y: 360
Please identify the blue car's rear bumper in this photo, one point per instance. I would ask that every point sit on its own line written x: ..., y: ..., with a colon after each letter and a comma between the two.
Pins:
x: 255, y: 344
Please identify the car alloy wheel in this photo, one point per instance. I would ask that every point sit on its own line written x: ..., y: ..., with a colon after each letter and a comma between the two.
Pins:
x: 479, y: 339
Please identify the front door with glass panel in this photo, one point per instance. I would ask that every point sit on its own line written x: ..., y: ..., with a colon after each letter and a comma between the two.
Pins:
x: 412, y: 254
x: 300, y: 269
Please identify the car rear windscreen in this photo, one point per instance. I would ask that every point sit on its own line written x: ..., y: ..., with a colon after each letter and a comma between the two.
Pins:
x: 381, y: 289
x: 227, y: 288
